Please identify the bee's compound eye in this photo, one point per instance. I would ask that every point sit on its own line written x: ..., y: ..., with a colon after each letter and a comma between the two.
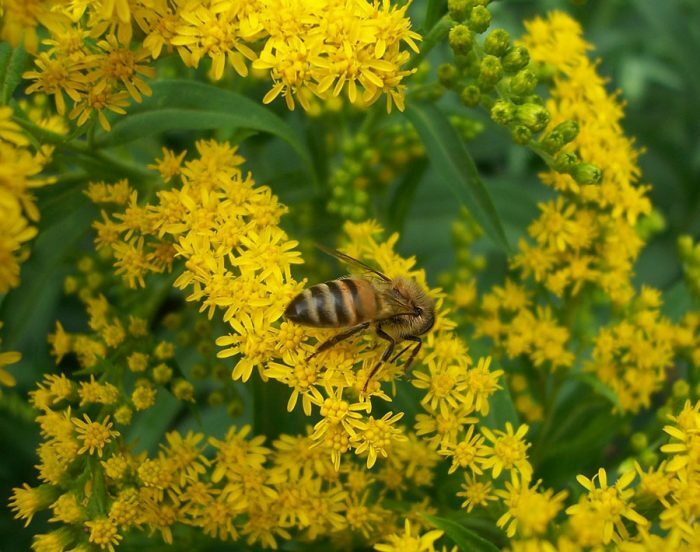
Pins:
x: 419, y: 311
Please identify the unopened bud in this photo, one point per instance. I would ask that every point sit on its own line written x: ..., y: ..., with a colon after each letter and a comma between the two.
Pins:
x: 470, y: 95
x: 523, y: 82
x: 534, y: 116
x: 497, y: 42
x: 459, y: 10
x: 568, y: 130
x: 502, y: 112
x: 565, y: 162
x: 447, y: 75
x: 516, y: 58
x: 461, y: 39
x: 479, y: 19
x: 680, y: 389
x: 491, y: 71
x: 521, y: 135
x: 639, y: 441
x: 586, y: 173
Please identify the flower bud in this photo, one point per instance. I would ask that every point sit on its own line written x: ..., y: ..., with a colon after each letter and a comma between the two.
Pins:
x: 497, y: 42
x: 215, y: 398
x: 639, y: 441
x: 183, y: 390
x: 523, y: 82
x: 663, y: 413
x: 680, y: 389
x: 491, y: 71
x: 459, y: 10
x: 586, y: 173
x: 521, y: 135
x: 552, y: 142
x: 502, y: 112
x: 470, y: 95
x: 534, y: 116
x: 479, y: 19
x: 123, y: 415
x: 565, y: 162
x: 447, y: 75
x: 649, y: 458
x: 461, y: 39
x: 162, y: 373
x: 516, y: 58
x: 685, y: 247
x: 568, y: 130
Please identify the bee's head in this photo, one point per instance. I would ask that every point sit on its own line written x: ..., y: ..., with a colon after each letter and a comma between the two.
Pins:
x: 422, y: 305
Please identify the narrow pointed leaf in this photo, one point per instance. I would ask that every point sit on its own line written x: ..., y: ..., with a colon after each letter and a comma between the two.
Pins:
x: 13, y: 62
x: 453, y: 164
x: 465, y: 539
x: 188, y: 105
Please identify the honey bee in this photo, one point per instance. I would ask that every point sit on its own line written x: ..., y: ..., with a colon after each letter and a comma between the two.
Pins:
x: 398, y: 308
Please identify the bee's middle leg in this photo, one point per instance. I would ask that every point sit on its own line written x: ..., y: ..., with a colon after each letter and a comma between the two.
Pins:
x: 338, y: 338
x: 385, y: 355
x: 416, y: 348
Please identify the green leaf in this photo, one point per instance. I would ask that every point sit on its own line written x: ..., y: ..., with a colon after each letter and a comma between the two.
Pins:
x: 188, y: 105
x: 13, y: 62
x: 466, y: 539
x: 433, y: 12
x: 403, y: 196
x: 455, y: 166
x: 598, y: 386
x: 501, y: 405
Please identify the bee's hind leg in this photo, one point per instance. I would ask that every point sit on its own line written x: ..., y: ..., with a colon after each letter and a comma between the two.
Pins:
x: 385, y: 355
x: 338, y: 338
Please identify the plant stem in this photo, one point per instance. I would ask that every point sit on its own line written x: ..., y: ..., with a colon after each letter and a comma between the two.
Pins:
x: 80, y: 148
x: 432, y: 39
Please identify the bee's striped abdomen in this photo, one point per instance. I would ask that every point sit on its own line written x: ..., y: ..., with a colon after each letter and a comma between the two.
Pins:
x: 334, y: 304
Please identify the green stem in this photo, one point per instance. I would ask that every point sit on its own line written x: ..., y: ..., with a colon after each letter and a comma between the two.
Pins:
x: 80, y: 148
x: 432, y: 39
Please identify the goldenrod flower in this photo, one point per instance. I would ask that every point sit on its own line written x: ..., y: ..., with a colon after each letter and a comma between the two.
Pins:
x: 476, y: 492
x: 376, y: 436
x: 597, y: 518
x: 56, y: 76
x: 103, y: 533
x: 94, y: 435
x: 66, y: 509
x: 410, y: 541
x: 529, y: 511
x: 508, y: 450
x: 27, y: 501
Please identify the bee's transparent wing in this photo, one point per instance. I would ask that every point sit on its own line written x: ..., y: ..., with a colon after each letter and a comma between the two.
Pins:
x: 351, y: 261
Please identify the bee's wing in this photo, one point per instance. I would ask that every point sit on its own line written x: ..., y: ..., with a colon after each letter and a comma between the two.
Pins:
x: 351, y: 261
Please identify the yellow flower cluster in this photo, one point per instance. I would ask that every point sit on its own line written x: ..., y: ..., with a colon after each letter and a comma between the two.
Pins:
x: 98, y: 53
x: 239, y: 260
x: 633, y: 355
x: 584, y: 243
x: 19, y: 176
x: 587, y: 234
x: 511, y: 320
x: 606, y: 515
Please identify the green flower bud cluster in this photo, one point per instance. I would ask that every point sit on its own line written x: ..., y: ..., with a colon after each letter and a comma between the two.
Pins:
x: 493, y: 73
x: 689, y: 252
